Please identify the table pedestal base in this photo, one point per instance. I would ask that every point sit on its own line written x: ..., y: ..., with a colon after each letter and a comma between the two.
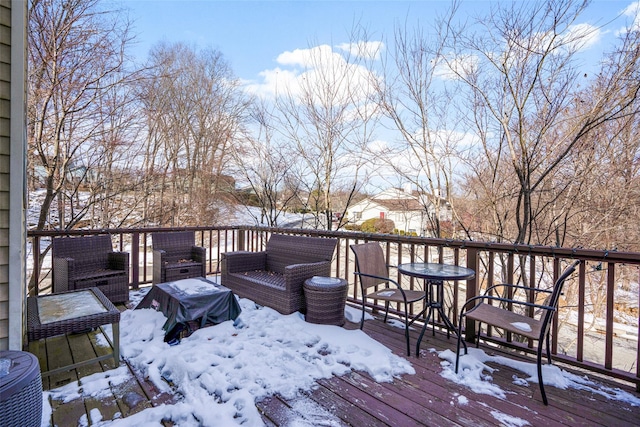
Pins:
x: 434, y: 306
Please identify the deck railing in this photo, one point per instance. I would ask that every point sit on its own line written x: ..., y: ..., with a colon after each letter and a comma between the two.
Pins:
x: 599, y: 310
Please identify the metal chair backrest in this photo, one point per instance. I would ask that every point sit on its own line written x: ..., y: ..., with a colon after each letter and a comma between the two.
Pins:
x: 370, y: 262
x: 555, y: 297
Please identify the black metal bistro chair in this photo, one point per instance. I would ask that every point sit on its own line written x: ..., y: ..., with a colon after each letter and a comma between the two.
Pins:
x: 372, y: 270
x: 502, y: 315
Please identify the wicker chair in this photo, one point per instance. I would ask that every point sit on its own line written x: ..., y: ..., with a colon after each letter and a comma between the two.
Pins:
x: 176, y: 257
x: 372, y: 271
x: 275, y: 277
x: 89, y: 261
x: 503, y: 316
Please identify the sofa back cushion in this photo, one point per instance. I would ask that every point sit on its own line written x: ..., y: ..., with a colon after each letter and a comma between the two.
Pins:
x: 283, y: 250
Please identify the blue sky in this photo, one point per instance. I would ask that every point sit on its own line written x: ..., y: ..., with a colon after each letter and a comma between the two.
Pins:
x: 268, y: 43
x: 252, y: 34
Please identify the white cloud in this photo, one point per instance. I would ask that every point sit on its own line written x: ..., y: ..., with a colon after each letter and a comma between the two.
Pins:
x: 378, y: 146
x: 453, y: 67
x: 309, y: 58
x: 315, y: 71
x: 366, y: 50
x: 272, y: 81
x: 632, y: 11
x: 577, y: 37
x: 582, y: 36
x: 389, y: 159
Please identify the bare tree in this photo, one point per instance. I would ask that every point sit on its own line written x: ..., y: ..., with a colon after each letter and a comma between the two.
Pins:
x: 265, y: 165
x: 417, y: 101
x: 76, y: 54
x: 606, y: 198
x: 328, y: 117
x: 525, y: 98
x: 194, y: 110
x: 78, y: 131
x: 118, y: 180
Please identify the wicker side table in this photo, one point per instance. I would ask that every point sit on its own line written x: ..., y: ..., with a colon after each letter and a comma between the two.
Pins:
x: 325, y: 299
x: 73, y: 311
x: 20, y: 390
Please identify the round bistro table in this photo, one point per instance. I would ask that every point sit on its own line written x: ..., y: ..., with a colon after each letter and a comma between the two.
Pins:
x: 434, y: 276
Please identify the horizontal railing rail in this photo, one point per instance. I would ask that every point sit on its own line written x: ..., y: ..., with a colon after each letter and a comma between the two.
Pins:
x: 599, y: 309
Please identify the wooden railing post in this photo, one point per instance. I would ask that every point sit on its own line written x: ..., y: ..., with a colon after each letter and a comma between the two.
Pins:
x: 472, y: 290
x: 35, y: 247
x: 609, y: 315
x: 241, y: 239
x: 135, y: 260
x: 581, y: 305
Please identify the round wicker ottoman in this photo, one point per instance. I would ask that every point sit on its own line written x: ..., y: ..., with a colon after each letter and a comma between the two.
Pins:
x: 20, y: 389
x: 325, y: 299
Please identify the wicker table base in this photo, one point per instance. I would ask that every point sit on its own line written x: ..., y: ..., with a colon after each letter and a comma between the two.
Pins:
x: 325, y: 299
x: 73, y: 311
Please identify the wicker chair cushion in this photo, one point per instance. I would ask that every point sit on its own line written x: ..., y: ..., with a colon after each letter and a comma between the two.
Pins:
x: 263, y: 278
x: 183, y: 264
x: 99, y: 273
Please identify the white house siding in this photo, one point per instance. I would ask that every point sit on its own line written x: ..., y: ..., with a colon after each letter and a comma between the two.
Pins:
x: 12, y: 172
x: 407, y: 215
x: 402, y: 207
x: 5, y: 157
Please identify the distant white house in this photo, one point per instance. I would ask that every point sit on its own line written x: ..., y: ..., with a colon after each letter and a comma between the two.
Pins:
x: 409, y: 210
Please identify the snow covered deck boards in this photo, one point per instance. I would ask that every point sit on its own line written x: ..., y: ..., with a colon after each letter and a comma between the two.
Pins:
x: 425, y: 398
x: 131, y: 397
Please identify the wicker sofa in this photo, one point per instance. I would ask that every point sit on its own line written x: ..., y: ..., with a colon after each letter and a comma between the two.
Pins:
x: 275, y: 277
x: 89, y: 261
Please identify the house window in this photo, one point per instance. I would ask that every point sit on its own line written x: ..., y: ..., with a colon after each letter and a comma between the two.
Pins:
x: 357, y: 216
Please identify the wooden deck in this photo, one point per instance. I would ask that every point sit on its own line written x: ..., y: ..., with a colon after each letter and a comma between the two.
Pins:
x: 423, y: 399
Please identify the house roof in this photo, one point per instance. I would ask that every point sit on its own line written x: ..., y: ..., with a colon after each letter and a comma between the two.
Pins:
x: 400, y: 204
x: 398, y: 200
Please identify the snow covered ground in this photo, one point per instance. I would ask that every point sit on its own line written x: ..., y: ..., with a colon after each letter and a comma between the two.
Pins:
x: 220, y: 372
